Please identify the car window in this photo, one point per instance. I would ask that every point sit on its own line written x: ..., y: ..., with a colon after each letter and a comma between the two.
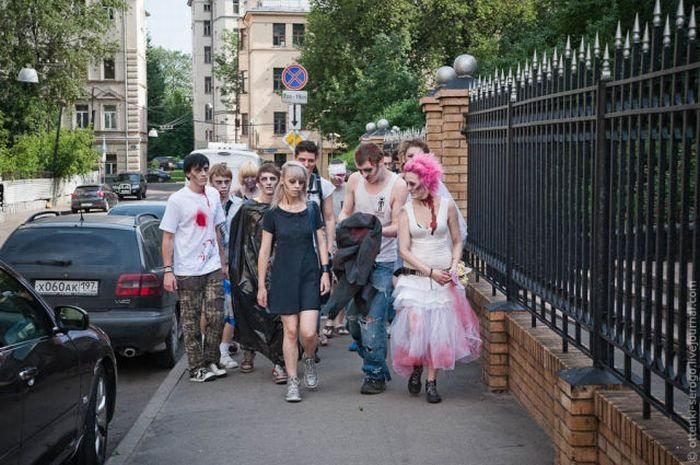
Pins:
x: 87, y: 189
x: 128, y: 177
x: 78, y: 246
x: 152, y: 241
x: 22, y: 318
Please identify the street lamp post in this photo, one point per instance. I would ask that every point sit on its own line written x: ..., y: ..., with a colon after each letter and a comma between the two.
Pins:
x: 61, y: 105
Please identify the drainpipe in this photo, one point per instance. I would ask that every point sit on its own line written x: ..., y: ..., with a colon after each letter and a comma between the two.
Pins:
x: 126, y: 91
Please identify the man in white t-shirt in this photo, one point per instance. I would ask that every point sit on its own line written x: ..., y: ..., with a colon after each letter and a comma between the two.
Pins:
x: 319, y: 189
x: 195, y: 265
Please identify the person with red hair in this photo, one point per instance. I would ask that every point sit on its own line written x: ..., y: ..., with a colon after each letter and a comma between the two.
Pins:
x: 434, y: 326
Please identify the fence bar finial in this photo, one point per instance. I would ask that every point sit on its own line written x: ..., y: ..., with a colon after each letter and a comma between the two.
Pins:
x: 618, y: 36
x: 645, y: 39
x: 548, y: 67
x: 589, y: 62
x: 567, y: 48
x: 596, y: 46
x: 657, y: 14
x: 667, y: 32
x: 692, y: 27
x: 605, y: 73
x: 582, y: 49
x: 535, y: 63
x: 626, y: 51
x: 680, y: 15
x: 636, y: 30
x: 561, y: 66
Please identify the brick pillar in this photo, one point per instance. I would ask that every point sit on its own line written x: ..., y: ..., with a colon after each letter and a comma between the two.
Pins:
x: 433, y: 123
x: 454, y: 103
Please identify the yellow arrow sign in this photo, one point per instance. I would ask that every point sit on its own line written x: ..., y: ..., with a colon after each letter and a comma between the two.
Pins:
x: 292, y: 138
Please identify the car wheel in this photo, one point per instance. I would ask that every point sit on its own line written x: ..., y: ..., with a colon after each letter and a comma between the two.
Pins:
x: 168, y: 357
x: 93, y: 447
x: 139, y: 196
x: 74, y: 210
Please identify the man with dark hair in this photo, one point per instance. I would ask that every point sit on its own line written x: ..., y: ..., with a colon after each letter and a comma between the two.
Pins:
x: 375, y: 190
x: 195, y: 265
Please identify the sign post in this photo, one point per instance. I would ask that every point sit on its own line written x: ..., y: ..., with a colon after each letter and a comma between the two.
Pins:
x: 294, y: 78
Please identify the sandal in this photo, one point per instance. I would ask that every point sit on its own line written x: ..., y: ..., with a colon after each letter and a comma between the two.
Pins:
x: 341, y: 331
x: 323, y: 340
x: 247, y: 364
x: 327, y: 331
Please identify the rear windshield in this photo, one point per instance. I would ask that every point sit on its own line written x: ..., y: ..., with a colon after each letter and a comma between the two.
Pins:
x: 133, y: 209
x: 87, y: 189
x: 128, y: 177
x: 82, y: 246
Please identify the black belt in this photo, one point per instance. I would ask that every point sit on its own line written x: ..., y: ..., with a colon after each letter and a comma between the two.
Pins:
x: 411, y: 271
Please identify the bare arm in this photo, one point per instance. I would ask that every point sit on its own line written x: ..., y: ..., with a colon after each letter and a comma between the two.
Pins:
x: 329, y: 218
x: 455, y: 234
x: 398, y: 199
x: 323, y: 257
x: 263, y: 259
x: 349, y: 201
x: 222, y: 256
x: 169, y: 281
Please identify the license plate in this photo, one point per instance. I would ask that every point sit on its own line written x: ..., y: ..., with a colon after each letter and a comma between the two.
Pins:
x: 86, y: 204
x: 125, y: 188
x: 66, y: 287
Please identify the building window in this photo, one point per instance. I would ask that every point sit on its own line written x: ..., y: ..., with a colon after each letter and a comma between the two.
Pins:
x: 280, y: 123
x: 82, y: 116
x: 278, y: 32
x: 110, y: 116
x: 207, y: 55
x: 208, y: 135
x: 207, y: 85
x: 280, y: 159
x: 244, y: 124
x: 207, y: 7
x: 236, y: 6
x: 108, y: 69
x: 297, y: 35
x: 244, y: 79
x: 111, y: 164
x: 207, y: 28
x: 208, y: 112
x: 277, y: 79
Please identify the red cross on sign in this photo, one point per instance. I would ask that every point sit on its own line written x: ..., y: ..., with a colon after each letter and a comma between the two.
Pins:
x: 294, y: 77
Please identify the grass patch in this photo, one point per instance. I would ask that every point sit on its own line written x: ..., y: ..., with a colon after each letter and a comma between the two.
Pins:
x: 177, y: 175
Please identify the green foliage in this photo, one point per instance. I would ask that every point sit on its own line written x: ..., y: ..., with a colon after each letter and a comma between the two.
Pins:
x: 226, y: 70
x: 169, y: 101
x: 33, y: 153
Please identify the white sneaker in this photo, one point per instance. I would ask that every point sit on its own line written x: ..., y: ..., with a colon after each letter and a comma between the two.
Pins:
x: 227, y: 362
x: 218, y: 372
x: 201, y: 375
x: 293, y: 394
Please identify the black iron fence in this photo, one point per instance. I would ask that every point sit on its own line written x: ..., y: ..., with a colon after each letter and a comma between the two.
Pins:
x: 583, y: 198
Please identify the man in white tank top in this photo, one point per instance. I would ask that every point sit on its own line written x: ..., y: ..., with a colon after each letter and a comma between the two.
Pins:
x: 375, y: 190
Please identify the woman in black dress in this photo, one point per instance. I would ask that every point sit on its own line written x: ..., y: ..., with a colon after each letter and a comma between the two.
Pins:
x: 298, y: 277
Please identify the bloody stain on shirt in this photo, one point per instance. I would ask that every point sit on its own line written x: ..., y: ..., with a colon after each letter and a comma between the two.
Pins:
x: 201, y: 218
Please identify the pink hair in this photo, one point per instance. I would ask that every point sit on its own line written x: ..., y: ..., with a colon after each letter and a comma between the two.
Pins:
x: 427, y: 168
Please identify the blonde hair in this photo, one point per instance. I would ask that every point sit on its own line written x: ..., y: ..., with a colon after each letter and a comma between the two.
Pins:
x: 247, y: 169
x: 290, y: 170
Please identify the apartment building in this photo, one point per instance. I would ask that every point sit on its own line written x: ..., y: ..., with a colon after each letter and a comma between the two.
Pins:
x: 115, y: 101
x: 214, y: 120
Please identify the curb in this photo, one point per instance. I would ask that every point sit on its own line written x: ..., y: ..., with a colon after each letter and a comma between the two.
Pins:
x: 130, y: 441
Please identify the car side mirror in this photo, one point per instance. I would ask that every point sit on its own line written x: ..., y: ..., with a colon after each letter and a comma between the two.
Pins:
x: 71, y: 318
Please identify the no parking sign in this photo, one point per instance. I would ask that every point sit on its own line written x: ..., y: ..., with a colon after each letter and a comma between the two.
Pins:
x: 294, y: 77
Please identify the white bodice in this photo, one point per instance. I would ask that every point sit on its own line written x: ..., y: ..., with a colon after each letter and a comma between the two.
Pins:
x: 435, y: 250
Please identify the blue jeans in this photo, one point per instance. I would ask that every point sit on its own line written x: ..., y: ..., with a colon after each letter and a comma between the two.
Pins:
x: 370, y: 331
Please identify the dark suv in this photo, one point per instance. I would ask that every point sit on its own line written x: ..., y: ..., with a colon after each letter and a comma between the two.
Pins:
x: 109, y: 265
x: 126, y: 184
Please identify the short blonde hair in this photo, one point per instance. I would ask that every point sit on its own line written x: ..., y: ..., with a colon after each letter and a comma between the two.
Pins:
x: 247, y: 169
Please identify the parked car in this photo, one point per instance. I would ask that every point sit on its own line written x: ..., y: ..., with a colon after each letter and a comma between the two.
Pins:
x: 92, y: 197
x: 154, y: 207
x: 157, y: 176
x: 166, y: 163
x: 109, y: 265
x: 130, y: 184
x: 58, y: 379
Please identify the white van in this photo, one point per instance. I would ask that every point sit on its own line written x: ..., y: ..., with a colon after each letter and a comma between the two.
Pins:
x: 230, y: 155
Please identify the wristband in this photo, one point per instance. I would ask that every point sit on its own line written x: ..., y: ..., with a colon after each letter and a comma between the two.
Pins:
x: 326, y: 268
x: 167, y: 269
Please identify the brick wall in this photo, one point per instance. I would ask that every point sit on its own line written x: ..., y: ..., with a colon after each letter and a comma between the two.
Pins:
x: 598, y: 422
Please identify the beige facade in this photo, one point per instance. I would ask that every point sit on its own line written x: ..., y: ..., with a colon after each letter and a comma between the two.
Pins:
x: 214, y: 120
x: 116, y: 95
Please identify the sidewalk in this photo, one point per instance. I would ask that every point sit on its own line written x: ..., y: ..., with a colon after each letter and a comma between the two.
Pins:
x: 244, y: 420
x: 10, y: 221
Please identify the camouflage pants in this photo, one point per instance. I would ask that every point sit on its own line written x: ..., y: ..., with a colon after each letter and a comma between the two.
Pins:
x: 197, y: 294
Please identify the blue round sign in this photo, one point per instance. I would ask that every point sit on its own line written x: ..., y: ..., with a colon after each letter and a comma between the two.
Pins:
x: 294, y: 77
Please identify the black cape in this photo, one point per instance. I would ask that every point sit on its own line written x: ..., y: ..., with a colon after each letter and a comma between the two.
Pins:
x: 256, y: 329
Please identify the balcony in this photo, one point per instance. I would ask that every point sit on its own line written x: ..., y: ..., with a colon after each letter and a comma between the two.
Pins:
x: 301, y: 6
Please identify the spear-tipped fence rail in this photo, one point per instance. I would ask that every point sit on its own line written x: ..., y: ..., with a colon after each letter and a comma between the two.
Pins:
x: 583, y: 195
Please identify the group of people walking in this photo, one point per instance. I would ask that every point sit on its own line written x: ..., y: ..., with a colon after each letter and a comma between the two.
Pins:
x: 392, y: 260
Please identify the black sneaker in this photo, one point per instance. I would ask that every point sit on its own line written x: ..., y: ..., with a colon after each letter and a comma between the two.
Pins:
x: 431, y: 394
x: 373, y: 386
x: 414, y: 383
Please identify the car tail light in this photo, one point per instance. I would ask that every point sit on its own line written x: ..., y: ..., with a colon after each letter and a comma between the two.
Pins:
x: 101, y: 194
x: 73, y: 195
x: 138, y: 285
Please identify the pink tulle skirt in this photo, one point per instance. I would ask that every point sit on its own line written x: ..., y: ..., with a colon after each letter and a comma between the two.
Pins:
x: 433, y: 327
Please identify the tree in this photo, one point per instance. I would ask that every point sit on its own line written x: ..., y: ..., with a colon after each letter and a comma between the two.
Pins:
x: 169, y: 75
x: 227, y: 71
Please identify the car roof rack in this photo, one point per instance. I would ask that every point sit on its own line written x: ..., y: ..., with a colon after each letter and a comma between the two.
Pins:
x: 41, y: 214
x: 141, y: 217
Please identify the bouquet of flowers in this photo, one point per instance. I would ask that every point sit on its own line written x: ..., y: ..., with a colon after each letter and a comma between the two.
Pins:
x: 460, y: 276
